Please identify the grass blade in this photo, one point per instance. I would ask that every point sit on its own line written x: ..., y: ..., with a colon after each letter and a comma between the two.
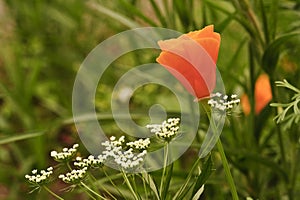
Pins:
x: 20, y: 137
x: 204, y: 175
x: 115, y: 15
x: 133, y: 10
x: 271, y: 54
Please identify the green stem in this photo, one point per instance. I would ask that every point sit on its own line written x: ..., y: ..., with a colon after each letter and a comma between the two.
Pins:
x: 52, y: 193
x: 278, y: 126
x: 113, y: 184
x: 92, y: 191
x: 224, y: 160
x: 164, y: 170
x: 93, y: 180
x: 129, y: 185
x: 227, y: 171
x: 145, y: 188
x: 69, y: 166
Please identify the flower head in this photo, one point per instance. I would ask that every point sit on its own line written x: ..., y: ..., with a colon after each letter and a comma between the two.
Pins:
x: 75, y: 176
x: 192, y: 58
x: 90, y: 161
x: 223, y: 102
x: 139, y: 144
x: 167, y: 130
x: 39, y: 178
x: 126, y: 159
x: 65, y: 155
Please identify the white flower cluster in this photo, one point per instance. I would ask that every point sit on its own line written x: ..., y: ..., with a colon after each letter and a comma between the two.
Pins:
x: 167, y: 130
x: 139, y: 144
x: 91, y: 161
x: 75, y: 176
x: 39, y: 178
x: 118, y: 142
x: 223, y: 102
x: 126, y: 159
x: 65, y: 155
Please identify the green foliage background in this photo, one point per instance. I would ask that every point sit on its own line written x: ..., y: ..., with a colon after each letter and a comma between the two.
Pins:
x: 42, y: 44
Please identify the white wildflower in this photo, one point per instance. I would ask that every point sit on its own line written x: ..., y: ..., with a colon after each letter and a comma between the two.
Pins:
x: 139, y: 144
x: 39, y: 178
x: 167, y: 130
x: 125, y: 159
x: 65, y: 155
x: 75, y: 176
x: 223, y: 102
x: 90, y: 161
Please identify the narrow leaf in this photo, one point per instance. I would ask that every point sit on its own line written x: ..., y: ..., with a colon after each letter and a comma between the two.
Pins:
x: 19, y: 137
x: 271, y: 54
x: 132, y: 9
x: 122, y: 19
x: 151, y: 183
x: 205, y: 173
x: 198, y: 193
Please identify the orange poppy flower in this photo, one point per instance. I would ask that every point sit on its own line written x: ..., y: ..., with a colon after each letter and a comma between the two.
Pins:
x: 192, y: 58
x: 262, y: 94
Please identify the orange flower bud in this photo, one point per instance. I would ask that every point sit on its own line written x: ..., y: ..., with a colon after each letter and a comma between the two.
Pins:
x: 192, y: 58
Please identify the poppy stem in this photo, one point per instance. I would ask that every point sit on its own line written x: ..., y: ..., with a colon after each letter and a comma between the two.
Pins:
x: 228, y: 175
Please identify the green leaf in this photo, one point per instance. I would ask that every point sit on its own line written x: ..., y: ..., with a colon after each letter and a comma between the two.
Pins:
x: 133, y: 10
x: 167, y: 181
x: 115, y: 15
x: 215, y: 5
x: 271, y: 54
x: 20, y: 137
x: 186, y: 187
x: 158, y: 13
x: 198, y: 193
x: 184, y: 10
x: 148, y: 178
x: 264, y: 21
x: 205, y: 173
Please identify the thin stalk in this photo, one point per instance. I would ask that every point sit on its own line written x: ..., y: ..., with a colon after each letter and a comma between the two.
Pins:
x: 228, y: 175
x: 187, y: 180
x: 279, y: 132
x: 52, y: 193
x: 227, y: 171
x: 278, y: 126
x: 252, y: 96
x: 145, y: 188
x: 92, y: 191
x: 166, y: 149
x: 69, y: 166
x: 129, y: 186
x: 113, y: 184
x: 134, y: 184
x: 92, y: 180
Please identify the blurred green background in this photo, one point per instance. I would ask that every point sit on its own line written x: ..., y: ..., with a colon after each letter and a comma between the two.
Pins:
x: 42, y: 44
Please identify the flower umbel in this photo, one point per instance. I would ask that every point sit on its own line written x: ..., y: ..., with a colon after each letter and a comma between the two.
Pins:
x: 39, y: 178
x: 223, y: 102
x: 90, y: 161
x: 65, y: 155
x: 167, y: 130
x: 75, y: 176
x: 125, y: 159
x: 139, y: 144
